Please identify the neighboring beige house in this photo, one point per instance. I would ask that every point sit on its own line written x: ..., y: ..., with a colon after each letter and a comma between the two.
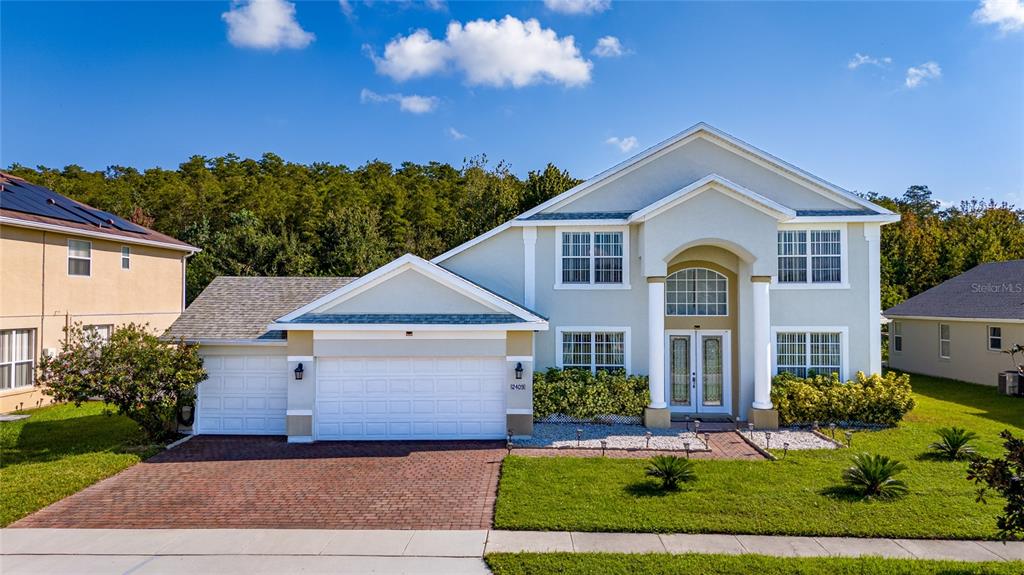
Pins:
x: 65, y: 262
x: 703, y: 262
x: 959, y: 328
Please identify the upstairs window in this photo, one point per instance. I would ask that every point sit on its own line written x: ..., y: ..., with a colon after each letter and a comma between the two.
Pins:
x: 126, y: 258
x: 592, y: 258
x: 79, y: 258
x: 810, y: 256
x: 696, y: 291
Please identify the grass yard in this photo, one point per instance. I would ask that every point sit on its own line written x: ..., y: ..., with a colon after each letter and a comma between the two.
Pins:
x: 795, y: 496
x: 616, y: 564
x: 60, y: 450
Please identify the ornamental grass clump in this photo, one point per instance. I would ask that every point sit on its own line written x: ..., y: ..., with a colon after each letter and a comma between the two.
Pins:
x: 954, y: 443
x: 874, y: 477
x: 671, y: 470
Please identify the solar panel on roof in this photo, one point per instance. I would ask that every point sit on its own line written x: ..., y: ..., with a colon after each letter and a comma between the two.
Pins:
x: 28, y: 198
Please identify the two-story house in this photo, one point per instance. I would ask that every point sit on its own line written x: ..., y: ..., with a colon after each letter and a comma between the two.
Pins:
x: 64, y: 262
x: 702, y: 262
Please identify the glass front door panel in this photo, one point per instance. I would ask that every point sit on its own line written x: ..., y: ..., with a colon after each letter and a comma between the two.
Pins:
x: 712, y: 378
x: 679, y: 348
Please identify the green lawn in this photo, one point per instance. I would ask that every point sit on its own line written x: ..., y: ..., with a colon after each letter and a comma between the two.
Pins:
x: 62, y: 449
x: 614, y: 564
x: 794, y: 496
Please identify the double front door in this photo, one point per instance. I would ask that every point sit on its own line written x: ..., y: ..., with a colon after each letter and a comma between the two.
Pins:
x: 699, y: 371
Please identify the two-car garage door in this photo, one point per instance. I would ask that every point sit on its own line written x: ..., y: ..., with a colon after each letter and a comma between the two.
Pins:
x: 410, y: 398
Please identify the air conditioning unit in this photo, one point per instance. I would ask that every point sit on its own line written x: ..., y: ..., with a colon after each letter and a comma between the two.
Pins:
x: 1011, y: 383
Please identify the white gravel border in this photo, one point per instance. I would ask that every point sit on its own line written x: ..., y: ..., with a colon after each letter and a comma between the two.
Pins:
x: 618, y: 436
x: 797, y: 440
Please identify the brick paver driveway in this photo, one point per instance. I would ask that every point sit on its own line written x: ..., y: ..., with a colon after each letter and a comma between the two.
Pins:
x: 263, y: 482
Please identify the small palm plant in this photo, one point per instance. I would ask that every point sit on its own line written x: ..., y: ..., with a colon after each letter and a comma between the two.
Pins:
x: 671, y: 470
x: 873, y: 476
x: 954, y: 443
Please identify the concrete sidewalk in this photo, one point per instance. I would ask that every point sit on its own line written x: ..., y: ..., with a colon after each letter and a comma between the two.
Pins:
x: 149, y: 551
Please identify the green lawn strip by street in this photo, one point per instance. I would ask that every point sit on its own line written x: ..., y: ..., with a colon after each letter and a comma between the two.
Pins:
x: 663, y: 564
x: 798, y: 495
x: 60, y: 450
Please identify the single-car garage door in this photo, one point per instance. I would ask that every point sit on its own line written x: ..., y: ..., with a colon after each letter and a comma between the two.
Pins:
x: 410, y: 398
x: 246, y: 395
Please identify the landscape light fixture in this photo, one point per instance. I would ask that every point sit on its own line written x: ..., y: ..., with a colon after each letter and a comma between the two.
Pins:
x: 298, y: 373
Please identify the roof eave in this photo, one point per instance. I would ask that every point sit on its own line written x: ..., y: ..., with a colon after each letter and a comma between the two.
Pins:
x: 17, y: 222
x: 518, y: 326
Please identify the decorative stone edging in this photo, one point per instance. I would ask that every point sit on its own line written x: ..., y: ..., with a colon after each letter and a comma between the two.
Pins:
x: 821, y: 435
x: 178, y: 442
x: 767, y: 455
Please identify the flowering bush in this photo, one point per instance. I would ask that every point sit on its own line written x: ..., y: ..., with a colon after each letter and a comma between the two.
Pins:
x: 825, y: 398
x: 581, y: 394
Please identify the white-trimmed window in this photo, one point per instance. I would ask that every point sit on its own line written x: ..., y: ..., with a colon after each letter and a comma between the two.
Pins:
x: 593, y: 349
x: 79, y: 258
x: 995, y: 338
x: 103, y: 331
x: 803, y: 353
x: 812, y: 256
x: 897, y: 336
x: 697, y: 291
x: 126, y: 258
x: 592, y: 258
x: 944, y: 340
x: 17, y: 358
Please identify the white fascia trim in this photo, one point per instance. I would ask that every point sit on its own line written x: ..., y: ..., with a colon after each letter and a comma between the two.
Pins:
x: 881, y: 218
x: 252, y: 342
x: 518, y: 411
x: 844, y: 343
x: 299, y: 412
x: 626, y: 342
x: 518, y: 358
x: 720, y: 184
x: 529, y: 326
x: 412, y: 262
x: 91, y: 234
x: 989, y: 320
x: 300, y: 358
x: 550, y: 223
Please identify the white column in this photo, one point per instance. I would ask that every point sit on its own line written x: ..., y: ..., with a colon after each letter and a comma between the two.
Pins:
x: 530, y: 266
x: 762, y: 344
x: 873, y: 233
x: 656, y: 341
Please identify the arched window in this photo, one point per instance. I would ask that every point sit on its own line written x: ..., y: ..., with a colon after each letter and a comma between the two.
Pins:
x: 696, y: 291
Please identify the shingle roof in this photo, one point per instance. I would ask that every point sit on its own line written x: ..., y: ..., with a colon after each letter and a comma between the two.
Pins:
x: 241, y: 308
x: 410, y: 318
x: 21, y: 192
x: 864, y: 212
x: 990, y: 291
x: 558, y: 216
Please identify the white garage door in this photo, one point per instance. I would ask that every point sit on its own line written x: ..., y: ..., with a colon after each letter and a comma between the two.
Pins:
x: 410, y: 398
x: 245, y: 395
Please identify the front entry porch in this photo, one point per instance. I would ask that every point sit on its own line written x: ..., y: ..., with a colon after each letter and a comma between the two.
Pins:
x: 699, y: 371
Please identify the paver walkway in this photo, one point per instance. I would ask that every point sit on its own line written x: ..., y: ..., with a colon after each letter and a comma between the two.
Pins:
x: 265, y: 482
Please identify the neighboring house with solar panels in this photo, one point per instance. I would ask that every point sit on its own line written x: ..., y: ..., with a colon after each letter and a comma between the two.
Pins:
x: 704, y: 263
x: 959, y: 328
x: 65, y: 262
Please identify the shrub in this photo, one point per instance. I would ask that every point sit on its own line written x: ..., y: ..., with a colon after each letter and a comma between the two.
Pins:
x: 954, y: 443
x: 671, y: 470
x: 582, y: 394
x: 145, y: 378
x: 825, y: 398
x: 873, y: 476
x: 1005, y: 475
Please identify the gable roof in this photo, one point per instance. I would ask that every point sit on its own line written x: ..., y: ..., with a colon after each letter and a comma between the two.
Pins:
x: 238, y: 309
x: 29, y: 205
x: 709, y: 133
x: 989, y: 291
x: 715, y: 182
x: 503, y: 307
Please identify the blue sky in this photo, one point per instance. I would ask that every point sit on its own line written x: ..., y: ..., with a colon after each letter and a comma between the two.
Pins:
x: 871, y: 96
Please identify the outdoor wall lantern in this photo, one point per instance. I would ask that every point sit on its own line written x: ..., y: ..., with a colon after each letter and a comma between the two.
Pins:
x: 519, y: 370
x: 298, y: 372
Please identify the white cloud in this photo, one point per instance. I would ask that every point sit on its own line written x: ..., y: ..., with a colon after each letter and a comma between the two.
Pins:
x: 438, y: 5
x: 919, y: 75
x: 455, y: 134
x: 412, y: 103
x: 506, y: 52
x: 623, y: 144
x: 1007, y: 14
x: 578, y: 6
x: 608, y: 47
x: 265, y: 24
x: 346, y: 8
x: 859, y: 60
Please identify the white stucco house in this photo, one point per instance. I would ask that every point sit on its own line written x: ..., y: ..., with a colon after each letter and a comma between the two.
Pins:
x: 702, y: 262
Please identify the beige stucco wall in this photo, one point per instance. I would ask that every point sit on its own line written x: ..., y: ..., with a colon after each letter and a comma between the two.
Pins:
x: 969, y: 359
x: 45, y: 298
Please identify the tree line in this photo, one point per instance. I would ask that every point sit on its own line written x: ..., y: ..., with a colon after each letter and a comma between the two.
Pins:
x: 272, y: 217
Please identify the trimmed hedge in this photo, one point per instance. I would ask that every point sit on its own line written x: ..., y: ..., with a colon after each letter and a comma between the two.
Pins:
x: 581, y: 394
x: 824, y: 398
